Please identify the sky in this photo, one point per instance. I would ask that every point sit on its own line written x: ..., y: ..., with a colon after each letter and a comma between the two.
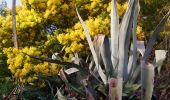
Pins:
x: 9, y: 3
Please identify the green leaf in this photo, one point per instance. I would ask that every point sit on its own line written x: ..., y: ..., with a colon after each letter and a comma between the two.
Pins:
x: 50, y: 60
x: 133, y: 57
x: 154, y: 36
x: 106, y: 57
x: 136, y: 13
x: 160, y: 56
x: 76, y: 88
x: 140, y: 47
x: 124, y: 39
x: 135, y: 77
x: 147, y: 79
x: 87, y: 34
x: 60, y: 96
x: 71, y: 70
x: 114, y: 34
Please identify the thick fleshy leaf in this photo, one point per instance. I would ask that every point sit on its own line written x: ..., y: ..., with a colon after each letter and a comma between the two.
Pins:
x: 68, y: 64
x: 60, y: 96
x: 115, y: 88
x: 154, y: 36
x: 140, y: 47
x: 135, y: 55
x: 130, y: 62
x: 135, y: 76
x: 76, y: 59
x: 55, y: 56
x: 160, y: 56
x: 98, y: 42
x: 114, y: 33
x: 147, y: 79
x: 124, y: 39
x: 106, y: 56
x: 133, y: 58
x: 134, y: 73
x: 76, y: 88
x: 71, y: 70
x: 91, y: 65
x: 102, y: 47
x: 87, y: 34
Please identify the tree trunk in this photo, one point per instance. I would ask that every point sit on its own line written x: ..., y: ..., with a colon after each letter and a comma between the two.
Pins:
x: 14, y: 23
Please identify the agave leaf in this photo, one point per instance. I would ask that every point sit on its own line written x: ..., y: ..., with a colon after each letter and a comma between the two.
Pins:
x: 50, y: 60
x: 71, y: 70
x: 68, y: 64
x: 100, y: 88
x: 91, y: 64
x: 73, y: 83
x: 87, y: 34
x: 154, y: 36
x: 160, y: 56
x: 60, y: 95
x: 124, y: 39
x: 100, y: 71
x: 130, y: 62
x: 133, y: 58
x: 106, y: 57
x: 140, y: 47
x: 135, y: 77
x: 98, y: 42
x: 136, y: 13
x: 114, y: 34
x: 135, y: 72
x: 130, y: 88
x: 51, y: 79
x: 115, y: 88
x: 76, y: 88
x: 55, y: 56
x: 76, y: 59
x: 147, y: 79
x: 102, y: 48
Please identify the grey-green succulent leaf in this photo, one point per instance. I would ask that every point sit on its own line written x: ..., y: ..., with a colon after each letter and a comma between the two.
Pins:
x: 87, y: 34
x: 114, y: 34
x: 124, y: 39
x: 154, y: 36
x: 160, y: 56
x: 147, y: 79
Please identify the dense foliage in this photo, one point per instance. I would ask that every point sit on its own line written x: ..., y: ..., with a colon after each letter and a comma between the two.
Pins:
x: 45, y: 27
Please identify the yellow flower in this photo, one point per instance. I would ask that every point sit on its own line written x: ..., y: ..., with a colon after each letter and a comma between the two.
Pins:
x: 140, y: 33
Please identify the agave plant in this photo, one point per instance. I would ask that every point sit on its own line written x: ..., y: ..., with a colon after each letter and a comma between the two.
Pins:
x: 114, y: 66
x: 120, y: 62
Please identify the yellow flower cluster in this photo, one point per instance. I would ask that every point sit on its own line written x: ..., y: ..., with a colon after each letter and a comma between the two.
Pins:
x: 74, y: 38
x: 98, y: 26
x: 26, y: 68
x: 49, y: 8
x: 27, y: 18
x: 121, y: 8
x: 53, y: 10
x: 5, y: 28
x: 140, y: 34
x: 53, y: 6
x: 27, y: 22
x: 95, y: 6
